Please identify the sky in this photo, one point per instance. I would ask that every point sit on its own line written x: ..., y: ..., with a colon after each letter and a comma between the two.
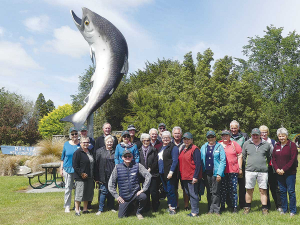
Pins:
x: 42, y: 51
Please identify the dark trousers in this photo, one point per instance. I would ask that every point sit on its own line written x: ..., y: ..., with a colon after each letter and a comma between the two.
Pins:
x: 123, y: 207
x: 192, y: 190
x: 242, y: 190
x: 213, y: 189
x: 273, y: 187
x: 153, y: 191
x: 229, y: 190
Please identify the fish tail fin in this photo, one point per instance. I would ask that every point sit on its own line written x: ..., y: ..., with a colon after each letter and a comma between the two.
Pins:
x: 71, y: 118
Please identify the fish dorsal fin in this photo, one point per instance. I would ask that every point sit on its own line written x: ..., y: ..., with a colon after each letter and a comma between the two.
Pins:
x: 125, y: 67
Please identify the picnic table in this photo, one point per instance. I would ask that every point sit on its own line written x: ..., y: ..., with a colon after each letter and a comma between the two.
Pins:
x: 50, y: 177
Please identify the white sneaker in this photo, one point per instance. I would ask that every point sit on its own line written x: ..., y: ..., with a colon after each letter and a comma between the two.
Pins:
x: 98, y: 213
x: 67, y: 209
x: 114, y: 211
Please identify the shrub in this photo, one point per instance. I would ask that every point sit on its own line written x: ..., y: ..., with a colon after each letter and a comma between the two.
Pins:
x: 50, y: 147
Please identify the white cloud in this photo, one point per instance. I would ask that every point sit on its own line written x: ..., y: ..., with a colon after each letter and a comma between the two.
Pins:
x: 37, y: 24
x: 1, y: 31
x: 67, y: 42
x: 70, y: 79
x: 29, y: 41
x: 13, y: 57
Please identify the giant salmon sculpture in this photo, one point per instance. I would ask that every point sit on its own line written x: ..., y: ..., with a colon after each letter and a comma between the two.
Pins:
x: 109, y: 53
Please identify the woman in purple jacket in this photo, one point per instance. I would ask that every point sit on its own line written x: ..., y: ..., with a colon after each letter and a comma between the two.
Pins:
x: 284, y: 160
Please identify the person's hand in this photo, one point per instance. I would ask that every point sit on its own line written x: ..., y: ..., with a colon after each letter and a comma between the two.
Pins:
x: 170, y: 175
x: 218, y: 178
x: 139, y: 192
x: 120, y: 200
x: 61, y: 172
x: 84, y: 175
x: 279, y: 171
x: 149, y: 170
x: 194, y: 181
x: 240, y: 173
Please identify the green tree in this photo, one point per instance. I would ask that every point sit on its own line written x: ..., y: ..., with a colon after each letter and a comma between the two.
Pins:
x: 41, y: 108
x: 51, y: 125
x: 274, y: 64
x: 50, y: 106
x: 17, y: 121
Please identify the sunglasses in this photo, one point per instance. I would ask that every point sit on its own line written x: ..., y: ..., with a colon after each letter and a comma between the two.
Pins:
x: 127, y: 156
x: 85, y: 142
x: 146, y: 140
x: 126, y: 136
x: 162, y: 128
x: 74, y: 134
x: 210, y: 136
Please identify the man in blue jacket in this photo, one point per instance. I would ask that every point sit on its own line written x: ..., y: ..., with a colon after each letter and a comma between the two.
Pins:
x: 126, y: 175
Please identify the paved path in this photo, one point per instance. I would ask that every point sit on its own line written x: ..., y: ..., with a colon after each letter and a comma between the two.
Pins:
x: 49, y: 188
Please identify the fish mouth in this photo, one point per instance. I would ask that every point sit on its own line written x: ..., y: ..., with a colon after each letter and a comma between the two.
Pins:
x: 77, y: 20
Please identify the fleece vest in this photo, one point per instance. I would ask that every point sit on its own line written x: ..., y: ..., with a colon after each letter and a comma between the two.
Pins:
x: 167, y: 157
x: 128, y: 180
x: 186, y: 163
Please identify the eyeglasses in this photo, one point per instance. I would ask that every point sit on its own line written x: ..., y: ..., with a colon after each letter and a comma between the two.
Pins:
x: 162, y: 128
x: 146, y: 140
x: 127, y: 156
x: 126, y: 136
x: 74, y: 134
x: 85, y: 142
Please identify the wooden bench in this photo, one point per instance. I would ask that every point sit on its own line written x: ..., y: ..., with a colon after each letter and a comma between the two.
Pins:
x: 36, y: 174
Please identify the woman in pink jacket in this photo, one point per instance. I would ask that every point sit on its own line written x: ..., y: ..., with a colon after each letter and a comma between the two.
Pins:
x: 233, y: 169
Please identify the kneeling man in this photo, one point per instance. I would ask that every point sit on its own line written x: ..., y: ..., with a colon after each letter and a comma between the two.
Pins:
x: 126, y: 175
x: 256, y: 155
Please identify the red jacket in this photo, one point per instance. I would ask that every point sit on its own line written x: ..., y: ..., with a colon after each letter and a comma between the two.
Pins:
x: 285, y: 158
x: 187, y: 164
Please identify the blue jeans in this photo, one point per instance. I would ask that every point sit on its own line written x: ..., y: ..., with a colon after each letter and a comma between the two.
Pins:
x: 286, y: 184
x: 170, y: 189
x: 105, y: 194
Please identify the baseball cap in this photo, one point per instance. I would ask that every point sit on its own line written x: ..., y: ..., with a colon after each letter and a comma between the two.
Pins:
x: 210, y: 133
x: 255, y: 131
x: 188, y: 135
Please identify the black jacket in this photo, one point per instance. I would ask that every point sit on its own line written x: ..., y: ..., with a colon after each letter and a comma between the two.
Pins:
x: 100, y: 157
x: 138, y: 142
x: 152, y: 161
x: 167, y: 156
x: 81, y: 164
x: 100, y: 142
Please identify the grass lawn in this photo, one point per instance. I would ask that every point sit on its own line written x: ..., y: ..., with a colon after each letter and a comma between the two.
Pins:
x: 47, y: 208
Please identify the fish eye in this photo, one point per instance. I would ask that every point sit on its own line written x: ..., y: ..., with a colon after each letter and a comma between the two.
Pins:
x: 87, y: 22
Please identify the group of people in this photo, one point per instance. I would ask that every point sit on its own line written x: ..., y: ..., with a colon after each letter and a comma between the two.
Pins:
x: 137, y: 167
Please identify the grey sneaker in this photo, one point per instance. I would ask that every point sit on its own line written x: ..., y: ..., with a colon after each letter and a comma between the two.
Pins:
x: 139, y: 216
x: 279, y: 209
x: 98, y: 213
x: 246, y: 210
x: 265, y: 211
x: 292, y: 214
x: 282, y: 213
x: 77, y: 213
